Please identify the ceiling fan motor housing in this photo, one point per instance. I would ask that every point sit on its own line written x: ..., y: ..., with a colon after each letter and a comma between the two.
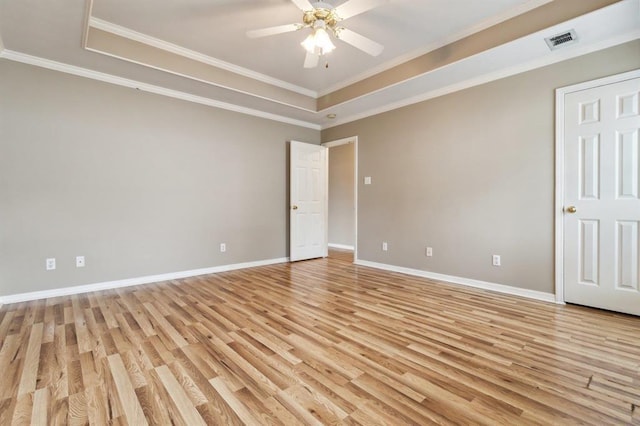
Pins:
x: 326, y: 15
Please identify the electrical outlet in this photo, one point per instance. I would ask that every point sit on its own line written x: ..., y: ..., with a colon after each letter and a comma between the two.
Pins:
x: 385, y: 247
x: 429, y: 252
x: 496, y: 260
x: 79, y: 261
x: 51, y: 263
x: 223, y: 247
x: 367, y: 180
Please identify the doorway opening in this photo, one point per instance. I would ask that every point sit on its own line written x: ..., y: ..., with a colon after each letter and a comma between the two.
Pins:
x: 343, y: 195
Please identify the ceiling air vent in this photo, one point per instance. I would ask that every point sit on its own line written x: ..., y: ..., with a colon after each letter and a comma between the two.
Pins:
x: 561, y: 40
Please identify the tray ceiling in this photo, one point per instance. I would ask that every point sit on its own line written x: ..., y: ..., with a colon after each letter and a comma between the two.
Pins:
x: 198, y: 49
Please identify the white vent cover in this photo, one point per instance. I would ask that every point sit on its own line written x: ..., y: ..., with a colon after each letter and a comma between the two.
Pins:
x: 561, y: 40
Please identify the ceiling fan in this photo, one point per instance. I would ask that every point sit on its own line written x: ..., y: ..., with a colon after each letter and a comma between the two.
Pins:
x: 324, y: 19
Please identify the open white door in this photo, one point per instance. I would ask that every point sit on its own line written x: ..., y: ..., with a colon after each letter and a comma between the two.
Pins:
x: 601, y: 196
x: 308, y: 201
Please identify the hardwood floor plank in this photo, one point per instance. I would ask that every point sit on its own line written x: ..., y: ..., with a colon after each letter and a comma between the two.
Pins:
x: 9, y: 363
x: 340, y: 394
x: 97, y: 409
x: 77, y: 414
x: 257, y: 408
x: 410, y: 409
x: 59, y: 412
x: 150, y: 397
x: 315, y: 342
x: 233, y: 402
x: 179, y: 397
x: 130, y: 404
x: 214, y: 407
x: 188, y: 384
x: 282, y: 413
x: 370, y: 415
x: 136, y: 376
x: 5, y: 324
x: 96, y: 330
x: 32, y: 361
x: 296, y: 409
x: 23, y: 409
x: 7, y: 406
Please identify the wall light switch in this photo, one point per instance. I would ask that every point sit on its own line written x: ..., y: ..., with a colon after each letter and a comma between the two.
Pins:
x: 367, y: 180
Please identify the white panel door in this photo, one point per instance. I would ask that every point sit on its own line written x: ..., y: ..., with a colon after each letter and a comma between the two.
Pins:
x: 602, y: 198
x: 308, y: 196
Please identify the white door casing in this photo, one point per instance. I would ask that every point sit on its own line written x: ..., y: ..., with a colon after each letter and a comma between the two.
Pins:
x: 600, y: 205
x: 308, y: 201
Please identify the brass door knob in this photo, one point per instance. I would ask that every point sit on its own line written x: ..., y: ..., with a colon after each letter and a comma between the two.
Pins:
x: 294, y: 207
x: 571, y: 209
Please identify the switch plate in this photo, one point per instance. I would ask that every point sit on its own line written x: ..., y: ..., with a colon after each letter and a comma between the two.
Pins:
x: 223, y: 247
x: 384, y: 246
x: 367, y: 180
x: 51, y: 263
x: 496, y: 260
x: 429, y: 252
x: 79, y: 261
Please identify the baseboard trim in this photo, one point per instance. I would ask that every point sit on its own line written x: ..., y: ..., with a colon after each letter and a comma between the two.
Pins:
x: 484, y: 285
x: 109, y: 285
x: 341, y: 246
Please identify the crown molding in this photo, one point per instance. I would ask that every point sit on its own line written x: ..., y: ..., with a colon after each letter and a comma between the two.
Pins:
x: 235, y: 87
x: 508, y: 33
x: 88, y: 11
x: 196, y: 56
x: 125, y: 82
x: 555, y: 57
x: 494, y: 20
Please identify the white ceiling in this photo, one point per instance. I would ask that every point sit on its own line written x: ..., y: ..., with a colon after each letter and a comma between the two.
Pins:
x: 50, y: 33
x: 217, y: 28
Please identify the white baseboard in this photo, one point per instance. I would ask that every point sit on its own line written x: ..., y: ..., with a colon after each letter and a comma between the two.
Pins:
x: 109, y: 285
x: 341, y: 246
x: 500, y: 288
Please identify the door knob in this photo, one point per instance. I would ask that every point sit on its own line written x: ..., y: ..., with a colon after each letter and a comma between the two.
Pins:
x: 294, y: 207
x: 571, y: 209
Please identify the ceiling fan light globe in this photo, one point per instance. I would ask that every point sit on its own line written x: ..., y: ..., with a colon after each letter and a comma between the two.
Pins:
x: 323, y: 41
x: 309, y: 43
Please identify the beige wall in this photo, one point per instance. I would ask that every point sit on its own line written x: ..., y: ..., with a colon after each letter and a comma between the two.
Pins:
x: 341, y: 194
x: 470, y: 174
x: 140, y: 184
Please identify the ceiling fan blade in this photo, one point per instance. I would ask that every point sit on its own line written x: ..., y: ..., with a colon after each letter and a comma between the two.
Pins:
x: 263, y: 32
x: 360, y: 42
x: 303, y: 5
x: 356, y: 7
x: 311, y: 60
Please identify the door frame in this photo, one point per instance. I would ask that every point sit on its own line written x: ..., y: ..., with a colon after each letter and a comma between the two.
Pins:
x: 559, y: 173
x: 344, y: 141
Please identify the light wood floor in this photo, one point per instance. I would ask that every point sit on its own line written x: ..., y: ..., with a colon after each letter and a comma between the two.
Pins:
x: 316, y: 342
x: 344, y: 255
